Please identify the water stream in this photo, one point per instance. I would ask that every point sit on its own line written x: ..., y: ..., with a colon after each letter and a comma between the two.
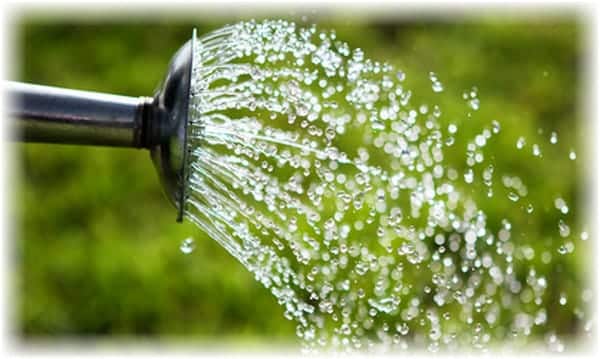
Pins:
x: 365, y: 215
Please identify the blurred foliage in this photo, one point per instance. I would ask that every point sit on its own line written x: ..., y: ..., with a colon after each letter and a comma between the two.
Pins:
x: 97, y: 244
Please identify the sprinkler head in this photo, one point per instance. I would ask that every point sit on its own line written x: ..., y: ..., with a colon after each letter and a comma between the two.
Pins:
x: 166, y: 129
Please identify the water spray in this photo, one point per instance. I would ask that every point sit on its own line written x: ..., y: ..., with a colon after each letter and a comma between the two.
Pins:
x: 365, y: 215
x: 64, y: 116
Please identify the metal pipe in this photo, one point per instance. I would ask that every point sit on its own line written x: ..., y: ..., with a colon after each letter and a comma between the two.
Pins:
x: 159, y: 124
x: 56, y: 115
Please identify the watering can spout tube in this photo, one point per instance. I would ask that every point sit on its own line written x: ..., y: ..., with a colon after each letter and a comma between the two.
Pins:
x: 159, y: 124
x: 56, y: 115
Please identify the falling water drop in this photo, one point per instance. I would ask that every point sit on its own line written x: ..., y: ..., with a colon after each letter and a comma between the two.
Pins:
x: 563, y: 229
x: 401, y: 76
x: 436, y: 85
x: 187, y: 246
x: 452, y: 128
x: 474, y: 103
x: 529, y: 208
x: 563, y: 299
x: 495, y: 126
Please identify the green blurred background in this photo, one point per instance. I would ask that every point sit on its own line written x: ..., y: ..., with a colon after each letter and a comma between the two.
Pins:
x: 97, y: 247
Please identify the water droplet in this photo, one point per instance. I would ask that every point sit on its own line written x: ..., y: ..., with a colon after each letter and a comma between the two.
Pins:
x: 326, y: 306
x: 474, y: 104
x: 563, y: 299
x: 469, y: 176
x: 563, y: 229
x: 402, y: 328
x: 561, y: 205
x: 584, y: 236
x: 529, y: 208
x: 400, y: 75
x: 385, y: 305
x: 495, y: 126
x: 435, y: 334
x: 436, y: 85
x: 187, y: 246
